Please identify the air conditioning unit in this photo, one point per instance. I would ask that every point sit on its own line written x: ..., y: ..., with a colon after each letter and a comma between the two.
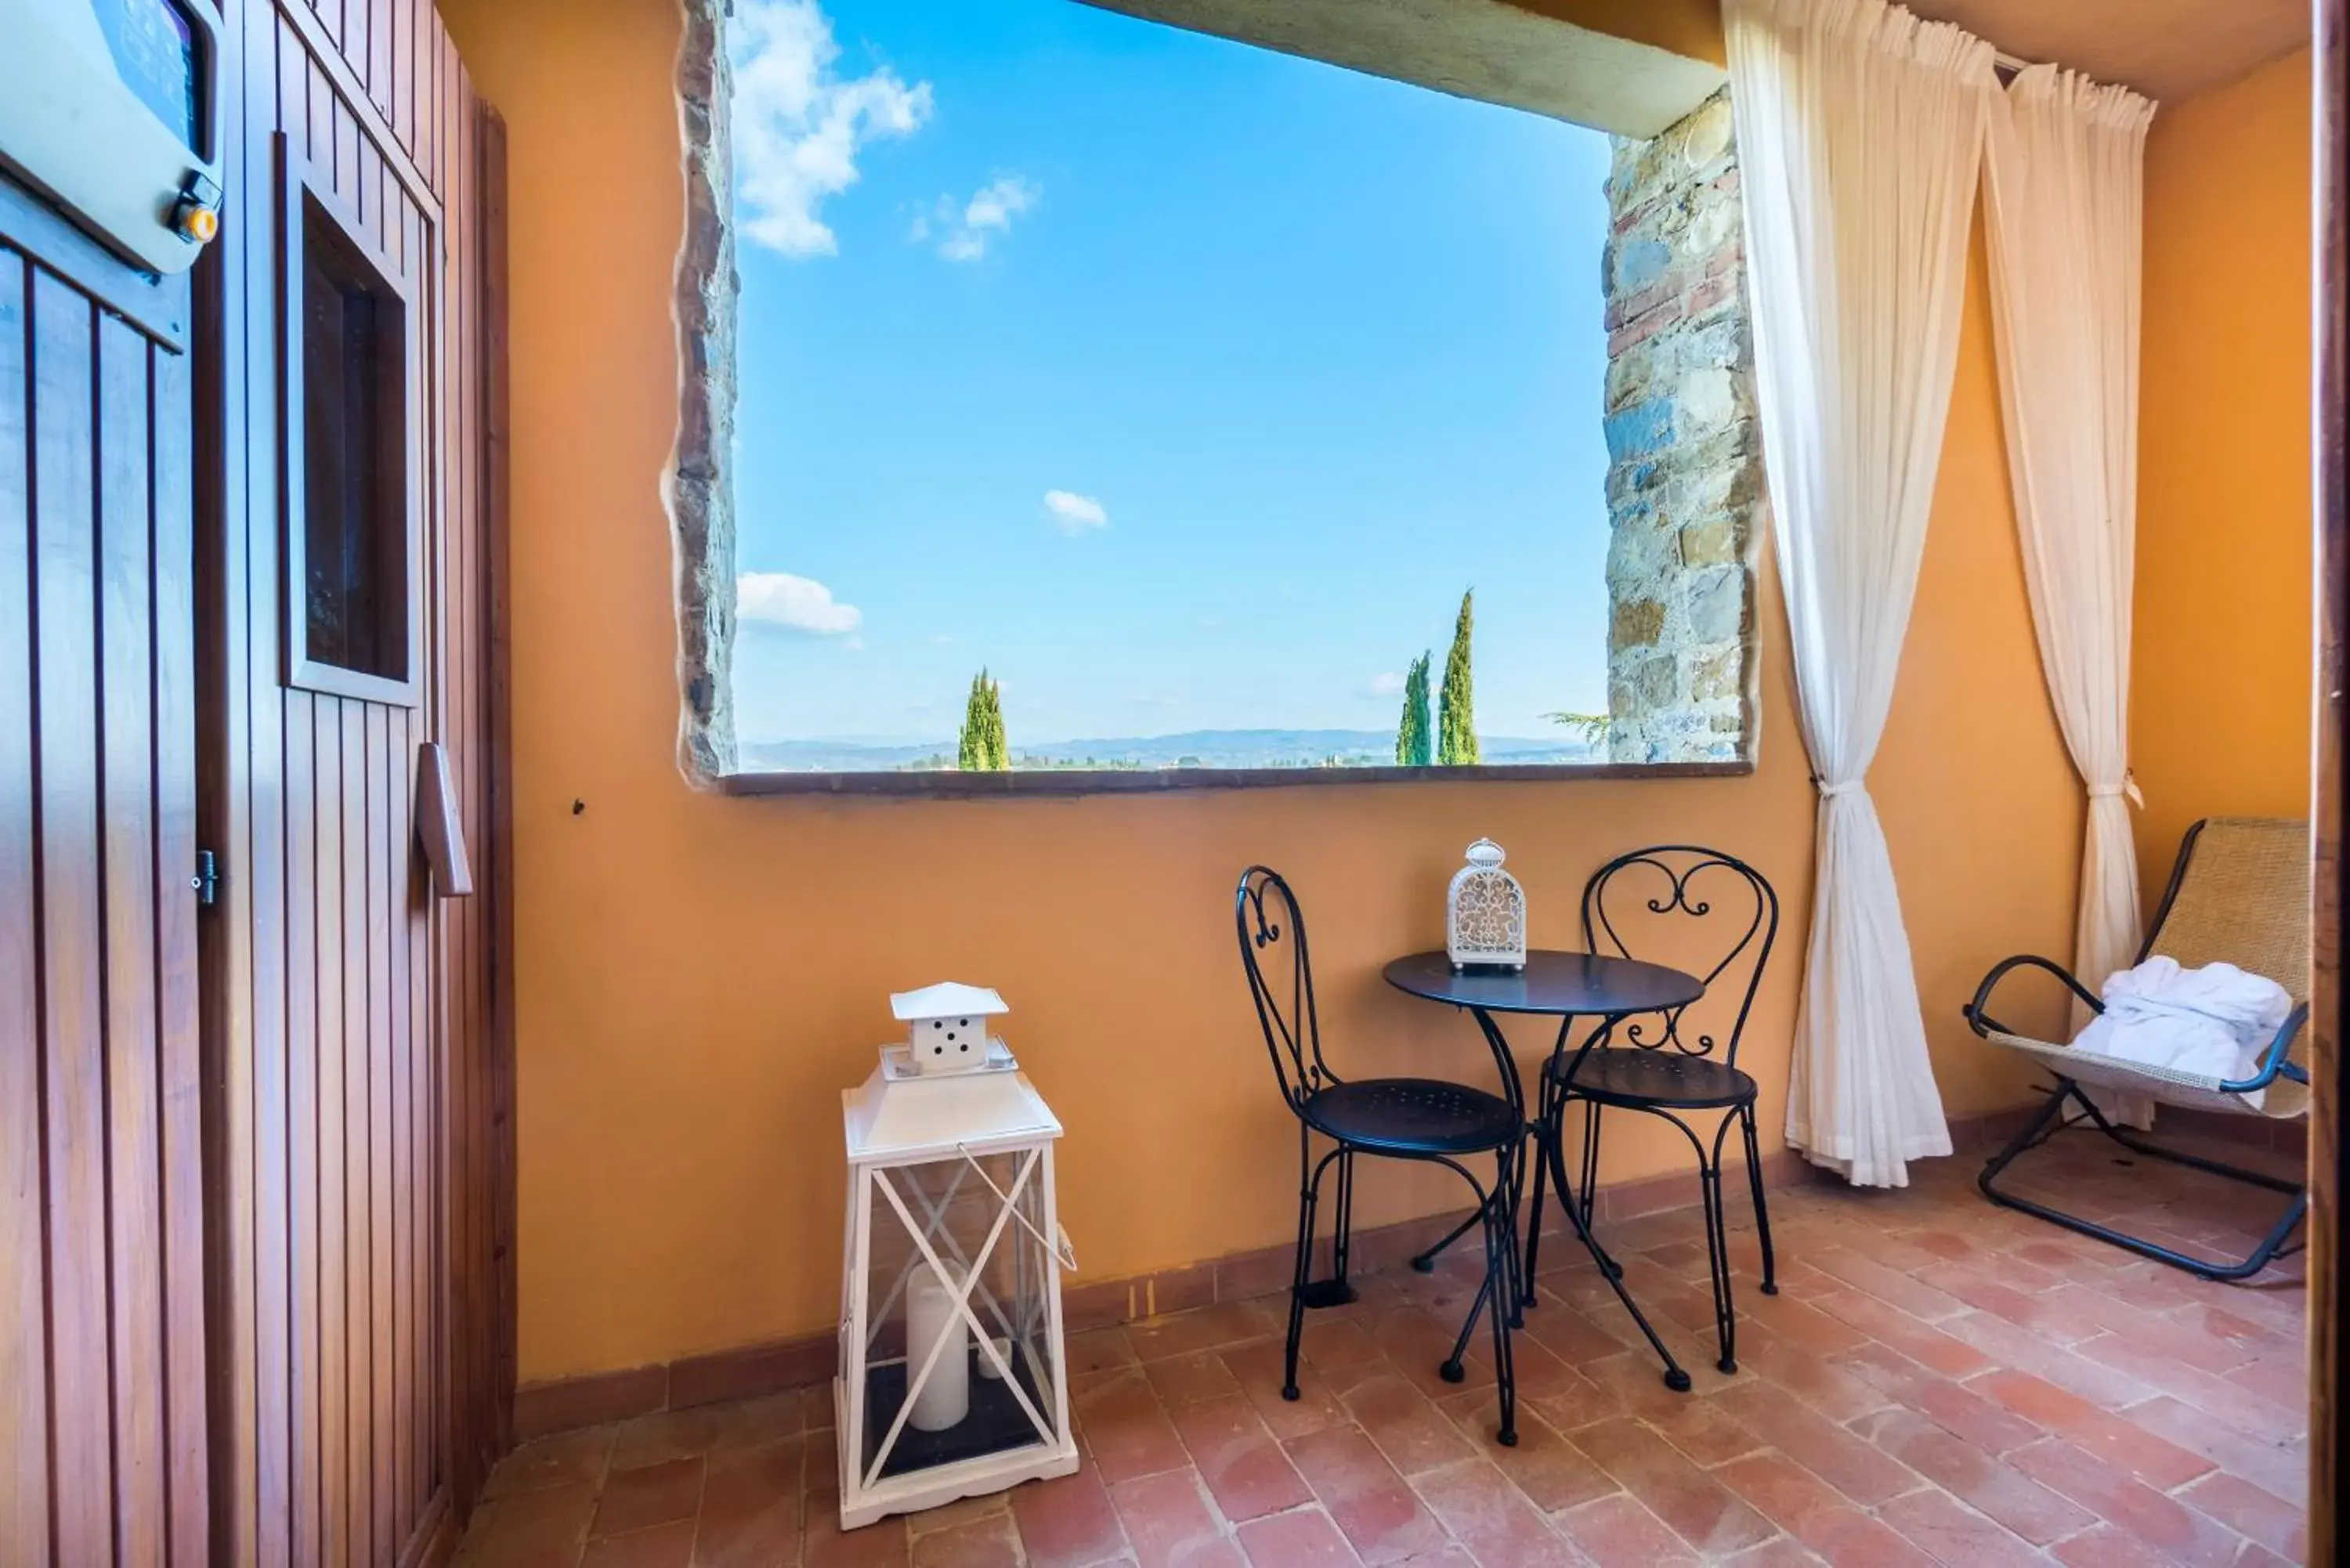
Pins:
x: 111, y: 109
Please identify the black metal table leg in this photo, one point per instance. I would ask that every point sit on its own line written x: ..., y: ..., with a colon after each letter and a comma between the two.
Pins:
x: 1555, y: 1151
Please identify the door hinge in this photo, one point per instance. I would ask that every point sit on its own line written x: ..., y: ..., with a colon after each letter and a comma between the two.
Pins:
x: 206, y: 881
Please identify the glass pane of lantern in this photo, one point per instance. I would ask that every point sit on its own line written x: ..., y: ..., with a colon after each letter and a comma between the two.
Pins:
x: 963, y: 1408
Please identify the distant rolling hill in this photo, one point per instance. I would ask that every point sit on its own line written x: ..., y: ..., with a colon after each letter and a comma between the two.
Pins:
x: 1192, y: 749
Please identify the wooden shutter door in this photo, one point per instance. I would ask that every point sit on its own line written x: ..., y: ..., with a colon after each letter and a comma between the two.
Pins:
x: 102, y: 1420
x: 360, y: 1294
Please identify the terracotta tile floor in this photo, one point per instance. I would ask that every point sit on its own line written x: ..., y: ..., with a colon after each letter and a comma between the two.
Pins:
x: 1938, y: 1381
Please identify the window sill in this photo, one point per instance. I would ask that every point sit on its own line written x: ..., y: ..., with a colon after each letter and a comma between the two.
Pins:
x: 945, y: 784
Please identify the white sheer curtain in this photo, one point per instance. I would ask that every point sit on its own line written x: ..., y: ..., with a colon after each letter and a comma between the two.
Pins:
x: 2067, y: 161
x: 1859, y: 134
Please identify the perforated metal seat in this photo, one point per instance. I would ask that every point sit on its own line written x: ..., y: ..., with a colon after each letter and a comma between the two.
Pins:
x: 1659, y: 1077
x: 1415, y: 1115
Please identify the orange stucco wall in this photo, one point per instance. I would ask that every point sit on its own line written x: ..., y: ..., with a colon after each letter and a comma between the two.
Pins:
x: 700, y: 976
x: 2219, y: 703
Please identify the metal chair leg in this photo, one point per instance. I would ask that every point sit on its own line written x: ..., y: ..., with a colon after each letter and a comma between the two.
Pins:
x: 1425, y: 1262
x: 2039, y: 1127
x: 1500, y: 1257
x: 1520, y: 1283
x: 1717, y: 1247
x: 1342, y: 1240
x: 1762, y: 1208
x: 1717, y: 1261
x: 1309, y: 1183
x: 1451, y: 1369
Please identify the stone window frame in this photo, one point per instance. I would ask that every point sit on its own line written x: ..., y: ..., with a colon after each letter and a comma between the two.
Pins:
x: 1684, y: 486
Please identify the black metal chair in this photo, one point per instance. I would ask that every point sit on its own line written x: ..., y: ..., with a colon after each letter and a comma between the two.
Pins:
x: 1680, y: 1061
x: 1420, y: 1119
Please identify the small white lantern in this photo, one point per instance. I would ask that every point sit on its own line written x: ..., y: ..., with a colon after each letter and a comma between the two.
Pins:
x: 946, y: 1025
x: 952, y: 1379
x: 1485, y: 920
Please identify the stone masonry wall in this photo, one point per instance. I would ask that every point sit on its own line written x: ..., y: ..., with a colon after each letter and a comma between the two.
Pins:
x: 698, y: 487
x: 1684, y: 448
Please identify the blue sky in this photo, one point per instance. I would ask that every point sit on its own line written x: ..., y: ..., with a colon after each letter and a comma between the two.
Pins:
x: 1182, y: 384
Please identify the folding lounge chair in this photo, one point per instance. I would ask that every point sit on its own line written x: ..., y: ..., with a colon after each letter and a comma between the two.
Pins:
x: 2239, y: 894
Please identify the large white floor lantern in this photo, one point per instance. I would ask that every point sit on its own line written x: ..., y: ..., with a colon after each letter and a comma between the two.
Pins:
x: 952, y: 1382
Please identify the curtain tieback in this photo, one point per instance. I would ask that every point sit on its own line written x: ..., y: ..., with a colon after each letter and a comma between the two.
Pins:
x: 2127, y: 788
x: 1830, y: 791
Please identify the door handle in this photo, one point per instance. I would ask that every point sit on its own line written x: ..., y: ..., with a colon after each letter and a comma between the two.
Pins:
x: 440, y: 827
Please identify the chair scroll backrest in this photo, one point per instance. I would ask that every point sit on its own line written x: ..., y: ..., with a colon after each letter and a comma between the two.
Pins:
x: 1280, y: 980
x: 1697, y: 909
x: 2238, y: 895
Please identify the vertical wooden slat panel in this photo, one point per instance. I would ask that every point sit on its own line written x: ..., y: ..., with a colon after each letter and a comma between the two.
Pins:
x: 406, y: 1364
x: 74, y: 1068
x: 381, y: 86
x: 125, y: 650
x: 410, y: 949
x: 449, y: 1386
x: 24, y: 1319
x: 334, y: 1377
x: 464, y: 594
x: 489, y: 1132
x: 358, y: 1405
x: 464, y: 1235
x: 314, y: 132
x: 402, y: 1467
x: 424, y: 144
x: 373, y: 188
x: 180, y: 1069
x: 348, y: 141
x: 435, y: 85
x: 271, y: 889
x: 301, y: 98
x: 241, y: 402
x: 496, y: 496
x: 273, y: 1354
x: 384, y: 1400
x: 399, y: 95
x: 302, y: 1044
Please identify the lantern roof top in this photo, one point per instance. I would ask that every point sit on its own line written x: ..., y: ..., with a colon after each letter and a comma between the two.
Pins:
x: 898, y: 1115
x: 948, y: 999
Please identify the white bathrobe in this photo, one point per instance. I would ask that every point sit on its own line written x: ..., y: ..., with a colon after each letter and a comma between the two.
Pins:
x: 2216, y: 1020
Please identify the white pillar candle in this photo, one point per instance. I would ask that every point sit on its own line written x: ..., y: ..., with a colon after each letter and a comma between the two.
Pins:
x: 944, y: 1398
x: 987, y: 1366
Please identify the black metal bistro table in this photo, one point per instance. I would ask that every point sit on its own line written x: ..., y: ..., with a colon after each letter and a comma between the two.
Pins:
x: 1570, y: 987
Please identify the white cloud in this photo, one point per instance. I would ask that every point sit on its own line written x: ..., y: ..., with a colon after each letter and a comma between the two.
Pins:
x: 1387, y: 684
x: 1074, y: 514
x: 799, y: 124
x: 795, y: 604
x: 965, y: 230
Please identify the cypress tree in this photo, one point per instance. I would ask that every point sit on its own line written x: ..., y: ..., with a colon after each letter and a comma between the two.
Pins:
x: 970, y: 745
x: 1415, y: 742
x: 999, y: 746
x: 1456, y: 723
